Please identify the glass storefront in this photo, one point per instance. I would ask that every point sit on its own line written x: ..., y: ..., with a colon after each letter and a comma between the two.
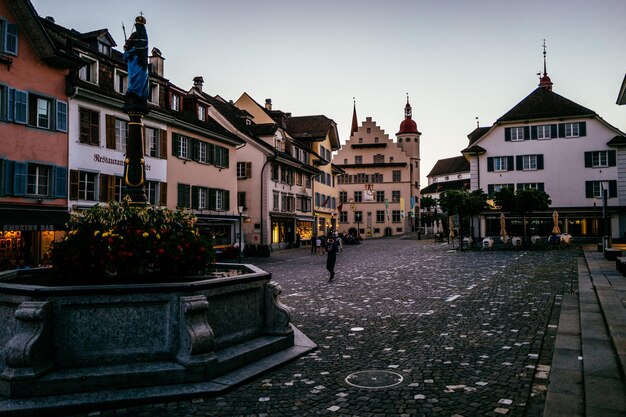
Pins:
x: 27, y: 248
x: 304, y: 231
x: 576, y: 225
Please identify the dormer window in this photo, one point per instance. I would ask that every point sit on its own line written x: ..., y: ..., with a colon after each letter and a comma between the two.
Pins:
x: 120, y: 81
x: 104, y: 48
x: 175, y: 102
x: 154, y: 93
x: 89, y: 72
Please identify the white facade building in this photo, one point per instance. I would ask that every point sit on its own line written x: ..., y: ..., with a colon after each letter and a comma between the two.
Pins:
x: 553, y: 144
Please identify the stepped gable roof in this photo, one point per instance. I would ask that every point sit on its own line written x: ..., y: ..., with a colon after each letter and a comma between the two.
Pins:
x: 476, y: 134
x: 449, y: 166
x: 544, y: 104
x: 440, y: 187
x: 309, y: 127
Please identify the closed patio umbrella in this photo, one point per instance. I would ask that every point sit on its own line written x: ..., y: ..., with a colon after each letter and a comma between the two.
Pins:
x: 555, y: 219
x: 440, y: 226
x: 451, y: 226
x: 435, y: 229
x: 503, y: 232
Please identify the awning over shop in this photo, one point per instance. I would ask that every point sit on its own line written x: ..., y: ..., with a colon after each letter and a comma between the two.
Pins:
x: 209, y: 220
x: 14, y: 219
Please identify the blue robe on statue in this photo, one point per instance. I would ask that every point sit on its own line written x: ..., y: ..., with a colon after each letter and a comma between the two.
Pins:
x: 136, y: 57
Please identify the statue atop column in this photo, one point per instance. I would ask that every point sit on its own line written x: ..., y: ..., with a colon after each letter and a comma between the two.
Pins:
x: 136, y: 106
x: 136, y: 57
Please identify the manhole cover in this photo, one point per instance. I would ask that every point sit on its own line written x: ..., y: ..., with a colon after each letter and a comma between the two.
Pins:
x: 374, y: 379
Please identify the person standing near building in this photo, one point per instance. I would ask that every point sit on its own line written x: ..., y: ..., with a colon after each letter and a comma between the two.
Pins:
x: 318, y: 245
x: 331, y: 259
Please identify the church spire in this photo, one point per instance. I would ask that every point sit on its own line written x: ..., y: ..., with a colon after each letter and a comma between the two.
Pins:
x: 545, y: 81
x: 407, y: 109
x: 355, y: 124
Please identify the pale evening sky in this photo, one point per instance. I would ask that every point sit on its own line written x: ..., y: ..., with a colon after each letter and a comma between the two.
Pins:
x: 456, y: 59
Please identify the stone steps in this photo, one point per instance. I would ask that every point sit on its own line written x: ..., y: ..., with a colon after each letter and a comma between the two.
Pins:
x: 587, y: 377
x: 239, y: 363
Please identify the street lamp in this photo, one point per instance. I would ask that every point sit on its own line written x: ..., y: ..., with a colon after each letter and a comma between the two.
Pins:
x: 240, y: 208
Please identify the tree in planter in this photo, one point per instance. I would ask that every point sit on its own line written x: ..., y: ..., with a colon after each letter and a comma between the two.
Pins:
x: 523, y: 202
x: 476, y: 204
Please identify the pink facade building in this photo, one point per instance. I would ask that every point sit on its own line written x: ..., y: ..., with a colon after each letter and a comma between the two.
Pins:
x: 34, y: 138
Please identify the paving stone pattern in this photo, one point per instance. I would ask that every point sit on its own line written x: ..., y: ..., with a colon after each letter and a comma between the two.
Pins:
x: 465, y: 330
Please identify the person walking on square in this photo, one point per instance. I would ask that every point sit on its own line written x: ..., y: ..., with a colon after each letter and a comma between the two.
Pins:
x: 331, y: 259
x: 318, y: 245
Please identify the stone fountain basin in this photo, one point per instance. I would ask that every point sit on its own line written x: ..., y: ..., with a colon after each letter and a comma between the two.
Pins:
x: 80, y: 345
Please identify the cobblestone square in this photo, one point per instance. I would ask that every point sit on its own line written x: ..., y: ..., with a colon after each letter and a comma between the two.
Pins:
x: 460, y: 334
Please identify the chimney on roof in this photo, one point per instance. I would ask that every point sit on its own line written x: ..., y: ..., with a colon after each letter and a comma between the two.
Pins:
x: 156, y: 62
x: 268, y: 104
x: 198, y: 82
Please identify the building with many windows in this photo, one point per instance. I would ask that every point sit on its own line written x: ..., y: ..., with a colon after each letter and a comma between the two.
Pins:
x: 319, y: 135
x: 379, y: 191
x: 33, y: 143
x: 277, y: 178
x: 550, y: 143
x: 98, y: 128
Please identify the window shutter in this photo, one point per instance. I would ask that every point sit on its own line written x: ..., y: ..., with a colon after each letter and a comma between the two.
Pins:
x: 175, y: 144
x: 526, y: 132
x: 195, y: 149
x: 9, y: 169
x: 19, y: 181
x: 589, y: 189
x: 533, y: 132
x: 540, y: 161
x: 32, y: 110
x: 163, y: 140
x: 612, y: 188
x: 612, y: 158
x: 554, y: 131
x: 490, y: 164
x: 248, y: 170
x: 10, y: 39
x: 507, y: 134
x: 195, y: 191
x: 541, y: 186
x: 227, y: 200
x: 509, y: 163
x: 211, y: 153
x: 104, y: 188
x: 20, y: 111
x: 110, y: 126
x: 561, y: 130
x: 225, y: 158
x: 519, y: 163
x: 588, y: 159
x: 212, y: 199
x: 163, y: 194
x: 11, y: 105
x: 74, y: 177
x: 59, y: 175
x: 94, y: 127
x: 490, y: 190
x: 582, y: 129
x: 183, y: 195
x: 61, y: 116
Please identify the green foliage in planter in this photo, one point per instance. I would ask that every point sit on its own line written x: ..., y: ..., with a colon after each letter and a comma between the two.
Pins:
x: 118, y: 240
